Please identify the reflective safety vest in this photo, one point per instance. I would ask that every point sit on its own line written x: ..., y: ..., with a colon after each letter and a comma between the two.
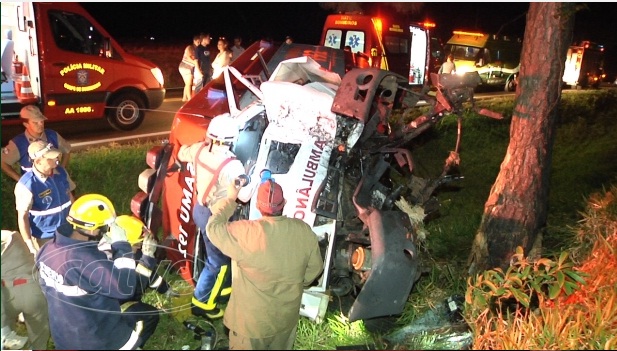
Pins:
x: 22, y: 143
x: 51, y: 202
x: 212, y: 168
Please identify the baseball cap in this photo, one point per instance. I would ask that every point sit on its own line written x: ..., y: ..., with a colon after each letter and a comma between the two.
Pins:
x: 32, y: 112
x: 270, y: 198
x: 41, y: 148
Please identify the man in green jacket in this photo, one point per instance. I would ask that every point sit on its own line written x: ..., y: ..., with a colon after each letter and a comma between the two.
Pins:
x: 273, y: 259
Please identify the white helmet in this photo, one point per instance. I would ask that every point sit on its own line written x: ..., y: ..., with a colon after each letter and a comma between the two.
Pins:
x: 223, y: 128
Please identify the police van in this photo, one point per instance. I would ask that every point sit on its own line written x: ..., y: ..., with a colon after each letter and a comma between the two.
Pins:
x: 496, y: 59
x: 383, y: 42
x: 55, y: 55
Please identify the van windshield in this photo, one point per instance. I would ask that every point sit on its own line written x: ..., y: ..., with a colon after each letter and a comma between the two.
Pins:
x: 462, y: 52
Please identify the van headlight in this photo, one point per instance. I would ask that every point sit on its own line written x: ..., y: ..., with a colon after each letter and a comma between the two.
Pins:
x: 158, y: 75
x: 461, y: 71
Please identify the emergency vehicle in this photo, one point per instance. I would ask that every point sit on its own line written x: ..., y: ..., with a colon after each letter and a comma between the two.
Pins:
x: 496, y: 59
x: 327, y: 136
x: 584, y: 65
x: 384, y: 43
x: 57, y: 56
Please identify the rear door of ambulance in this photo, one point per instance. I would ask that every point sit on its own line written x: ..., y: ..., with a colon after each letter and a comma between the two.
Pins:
x: 355, y: 31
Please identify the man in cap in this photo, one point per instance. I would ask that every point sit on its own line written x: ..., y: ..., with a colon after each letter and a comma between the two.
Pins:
x: 17, y: 148
x: 273, y: 259
x: 43, y: 196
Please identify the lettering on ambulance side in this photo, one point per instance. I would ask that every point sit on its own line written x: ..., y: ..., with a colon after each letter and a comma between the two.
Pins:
x: 310, y: 172
x: 185, y: 213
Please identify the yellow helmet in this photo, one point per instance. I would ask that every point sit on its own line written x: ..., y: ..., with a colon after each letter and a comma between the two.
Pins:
x: 91, y: 211
x: 133, y: 227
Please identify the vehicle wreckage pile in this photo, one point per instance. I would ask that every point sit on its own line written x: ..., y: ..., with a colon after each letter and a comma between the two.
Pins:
x: 331, y: 144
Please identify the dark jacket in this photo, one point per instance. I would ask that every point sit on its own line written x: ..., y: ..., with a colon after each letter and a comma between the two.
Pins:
x: 83, y: 290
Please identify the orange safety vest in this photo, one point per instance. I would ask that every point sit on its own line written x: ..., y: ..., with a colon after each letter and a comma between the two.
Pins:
x: 213, y: 172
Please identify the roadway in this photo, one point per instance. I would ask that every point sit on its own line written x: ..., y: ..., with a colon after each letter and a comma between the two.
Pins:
x: 156, y: 125
x: 83, y: 134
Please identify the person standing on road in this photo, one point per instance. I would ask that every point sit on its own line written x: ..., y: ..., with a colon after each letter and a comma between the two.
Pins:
x: 215, y: 168
x: 43, y: 196
x: 17, y: 148
x: 187, y: 68
x: 273, y: 259
x: 222, y: 59
x: 448, y: 67
x: 237, y: 49
x: 203, y: 57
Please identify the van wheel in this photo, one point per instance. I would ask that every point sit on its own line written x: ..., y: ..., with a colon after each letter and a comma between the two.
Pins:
x: 126, y: 112
x: 510, y: 84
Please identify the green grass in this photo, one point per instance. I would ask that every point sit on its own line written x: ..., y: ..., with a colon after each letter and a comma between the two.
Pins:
x: 583, y: 162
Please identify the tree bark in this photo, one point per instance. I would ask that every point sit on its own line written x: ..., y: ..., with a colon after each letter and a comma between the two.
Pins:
x: 516, y: 210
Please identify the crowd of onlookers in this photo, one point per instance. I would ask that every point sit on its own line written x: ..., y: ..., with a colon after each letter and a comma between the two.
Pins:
x: 197, y: 67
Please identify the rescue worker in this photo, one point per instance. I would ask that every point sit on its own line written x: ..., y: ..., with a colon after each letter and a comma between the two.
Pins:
x: 43, y: 196
x: 215, y: 168
x: 83, y: 288
x: 17, y: 148
x: 21, y: 293
x: 144, y: 247
x: 273, y: 259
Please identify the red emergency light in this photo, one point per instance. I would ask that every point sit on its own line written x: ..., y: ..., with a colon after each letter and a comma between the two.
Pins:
x: 378, y: 25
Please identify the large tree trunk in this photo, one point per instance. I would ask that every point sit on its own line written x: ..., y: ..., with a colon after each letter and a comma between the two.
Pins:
x: 516, y: 210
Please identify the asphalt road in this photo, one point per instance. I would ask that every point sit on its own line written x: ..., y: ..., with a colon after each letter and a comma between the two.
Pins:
x: 87, y: 133
x: 155, y: 126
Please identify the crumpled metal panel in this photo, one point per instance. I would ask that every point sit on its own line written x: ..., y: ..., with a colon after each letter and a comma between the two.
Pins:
x: 355, y: 95
x: 394, y: 269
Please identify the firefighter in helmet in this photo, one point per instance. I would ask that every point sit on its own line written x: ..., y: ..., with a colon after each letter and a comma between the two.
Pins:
x: 144, y: 246
x: 82, y: 285
x: 216, y: 167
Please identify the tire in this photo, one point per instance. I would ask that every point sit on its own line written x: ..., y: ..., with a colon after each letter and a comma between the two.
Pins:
x: 341, y: 286
x: 510, y: 84
x: 126, y: 112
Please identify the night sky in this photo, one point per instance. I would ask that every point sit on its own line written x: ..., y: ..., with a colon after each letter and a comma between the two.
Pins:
x: 304, y: 20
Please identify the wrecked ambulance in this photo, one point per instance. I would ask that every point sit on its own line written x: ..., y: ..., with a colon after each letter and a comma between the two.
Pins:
x: 327, y: 137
